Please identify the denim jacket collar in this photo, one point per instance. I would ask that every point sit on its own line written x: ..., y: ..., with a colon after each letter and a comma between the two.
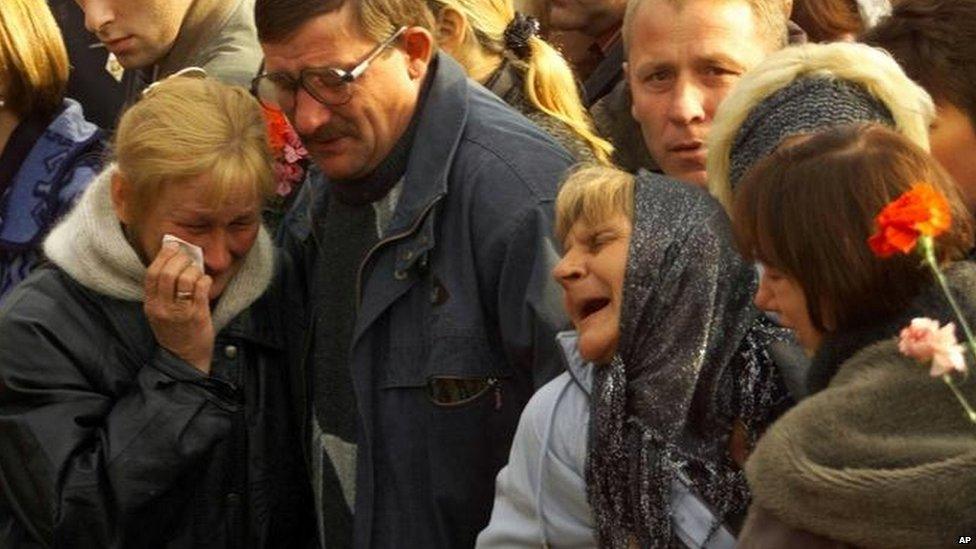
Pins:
x: 442, y: 120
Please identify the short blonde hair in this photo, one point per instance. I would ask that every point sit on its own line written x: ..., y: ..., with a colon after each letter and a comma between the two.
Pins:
x: 771, y: 19
x: 33, y: 59
x: 187, y: 127
x: 593, y: 194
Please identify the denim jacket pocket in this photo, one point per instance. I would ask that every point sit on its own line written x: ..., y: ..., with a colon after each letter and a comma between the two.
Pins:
x: 453, y: 371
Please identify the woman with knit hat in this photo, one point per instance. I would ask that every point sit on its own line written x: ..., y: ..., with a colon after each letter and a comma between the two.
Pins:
x: 804, y: 89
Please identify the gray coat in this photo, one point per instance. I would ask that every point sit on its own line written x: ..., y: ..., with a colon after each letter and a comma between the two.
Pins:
x: 458, y: 288
x: 218, y: 36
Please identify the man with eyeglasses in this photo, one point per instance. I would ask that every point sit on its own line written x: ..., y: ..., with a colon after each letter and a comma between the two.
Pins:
x: 424, y: 249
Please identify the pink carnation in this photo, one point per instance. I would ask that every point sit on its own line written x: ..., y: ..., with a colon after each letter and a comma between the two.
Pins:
x: 292, y: 154
x: 925, y: 341
x: 286, y: 176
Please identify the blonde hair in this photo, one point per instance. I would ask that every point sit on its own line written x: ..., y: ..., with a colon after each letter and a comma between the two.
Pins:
x: 771, y: 17
x: 871, y: 68
x: 550, y: 85
x: 187, y: 127
x: 33, y: 59
x: 593, y: 194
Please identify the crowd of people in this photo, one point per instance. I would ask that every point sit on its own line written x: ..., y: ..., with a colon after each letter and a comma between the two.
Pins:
x: 487, y: 273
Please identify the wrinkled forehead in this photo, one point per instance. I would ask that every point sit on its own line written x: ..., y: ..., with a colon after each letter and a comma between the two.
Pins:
x: 730, y: 24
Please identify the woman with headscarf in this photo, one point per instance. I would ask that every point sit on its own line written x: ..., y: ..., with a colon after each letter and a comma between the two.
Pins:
x: 669, y: 377
x: 502, y: 49
x: 880, y: 454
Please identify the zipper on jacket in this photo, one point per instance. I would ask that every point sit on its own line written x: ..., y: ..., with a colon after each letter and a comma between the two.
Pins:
x: 392, y: 238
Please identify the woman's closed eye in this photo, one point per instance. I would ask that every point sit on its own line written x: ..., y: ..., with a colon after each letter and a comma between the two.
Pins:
x: 598, y: 240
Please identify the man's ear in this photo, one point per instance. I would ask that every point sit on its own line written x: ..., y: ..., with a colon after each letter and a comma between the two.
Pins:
x: 122, y: 199
x: 419, y: 47
x: 630, y: 86
x: 451, y: 29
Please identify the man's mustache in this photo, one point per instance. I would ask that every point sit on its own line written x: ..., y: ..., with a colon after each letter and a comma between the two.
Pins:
x: 328, y: 133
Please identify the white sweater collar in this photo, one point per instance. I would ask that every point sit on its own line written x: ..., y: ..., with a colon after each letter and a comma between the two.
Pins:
x: 89, y: 245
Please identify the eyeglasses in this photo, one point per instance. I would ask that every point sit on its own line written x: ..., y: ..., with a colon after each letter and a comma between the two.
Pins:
x: 327, y: 85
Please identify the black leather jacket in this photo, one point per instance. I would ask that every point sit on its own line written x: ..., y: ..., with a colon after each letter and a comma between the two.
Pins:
x: 107, y: 440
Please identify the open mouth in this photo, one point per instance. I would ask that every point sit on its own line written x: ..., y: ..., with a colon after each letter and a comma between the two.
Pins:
x: 592, y: 306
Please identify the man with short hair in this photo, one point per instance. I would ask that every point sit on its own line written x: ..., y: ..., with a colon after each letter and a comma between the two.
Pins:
x: 425, y: 253
x: 683, y: 57
x: 153, y: 39
x: 935, y: 42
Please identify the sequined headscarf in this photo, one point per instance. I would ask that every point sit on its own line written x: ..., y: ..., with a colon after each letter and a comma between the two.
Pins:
x: 690, y: 339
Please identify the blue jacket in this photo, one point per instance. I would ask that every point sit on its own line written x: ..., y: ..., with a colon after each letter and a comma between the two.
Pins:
x: 61, y: 164
x: 459, y: 287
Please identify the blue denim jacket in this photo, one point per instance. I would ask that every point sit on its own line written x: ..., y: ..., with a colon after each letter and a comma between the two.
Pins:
x: 459, y: 288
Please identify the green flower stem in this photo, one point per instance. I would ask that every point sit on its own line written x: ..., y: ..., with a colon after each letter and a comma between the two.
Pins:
x: 928, y: 252
x: 970, y: 413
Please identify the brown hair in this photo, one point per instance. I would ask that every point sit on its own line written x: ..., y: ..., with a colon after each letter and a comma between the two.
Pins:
x: 33, y: 60
x: 935, y: 42
x: 809, y: 208
x: 827, y: 20
x: 277, y: 20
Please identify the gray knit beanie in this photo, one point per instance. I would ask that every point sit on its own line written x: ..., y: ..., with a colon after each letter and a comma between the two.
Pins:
x: 805, y: 105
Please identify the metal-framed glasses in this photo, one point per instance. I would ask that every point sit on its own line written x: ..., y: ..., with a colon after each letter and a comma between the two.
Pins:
x: 327, y: 85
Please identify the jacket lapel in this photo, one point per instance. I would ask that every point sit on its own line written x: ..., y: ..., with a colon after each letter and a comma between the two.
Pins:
x: 386, y: 276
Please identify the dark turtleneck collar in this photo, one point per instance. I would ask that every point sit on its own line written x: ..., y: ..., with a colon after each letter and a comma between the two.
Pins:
x: 840, y: 346
x: 376, y: 184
